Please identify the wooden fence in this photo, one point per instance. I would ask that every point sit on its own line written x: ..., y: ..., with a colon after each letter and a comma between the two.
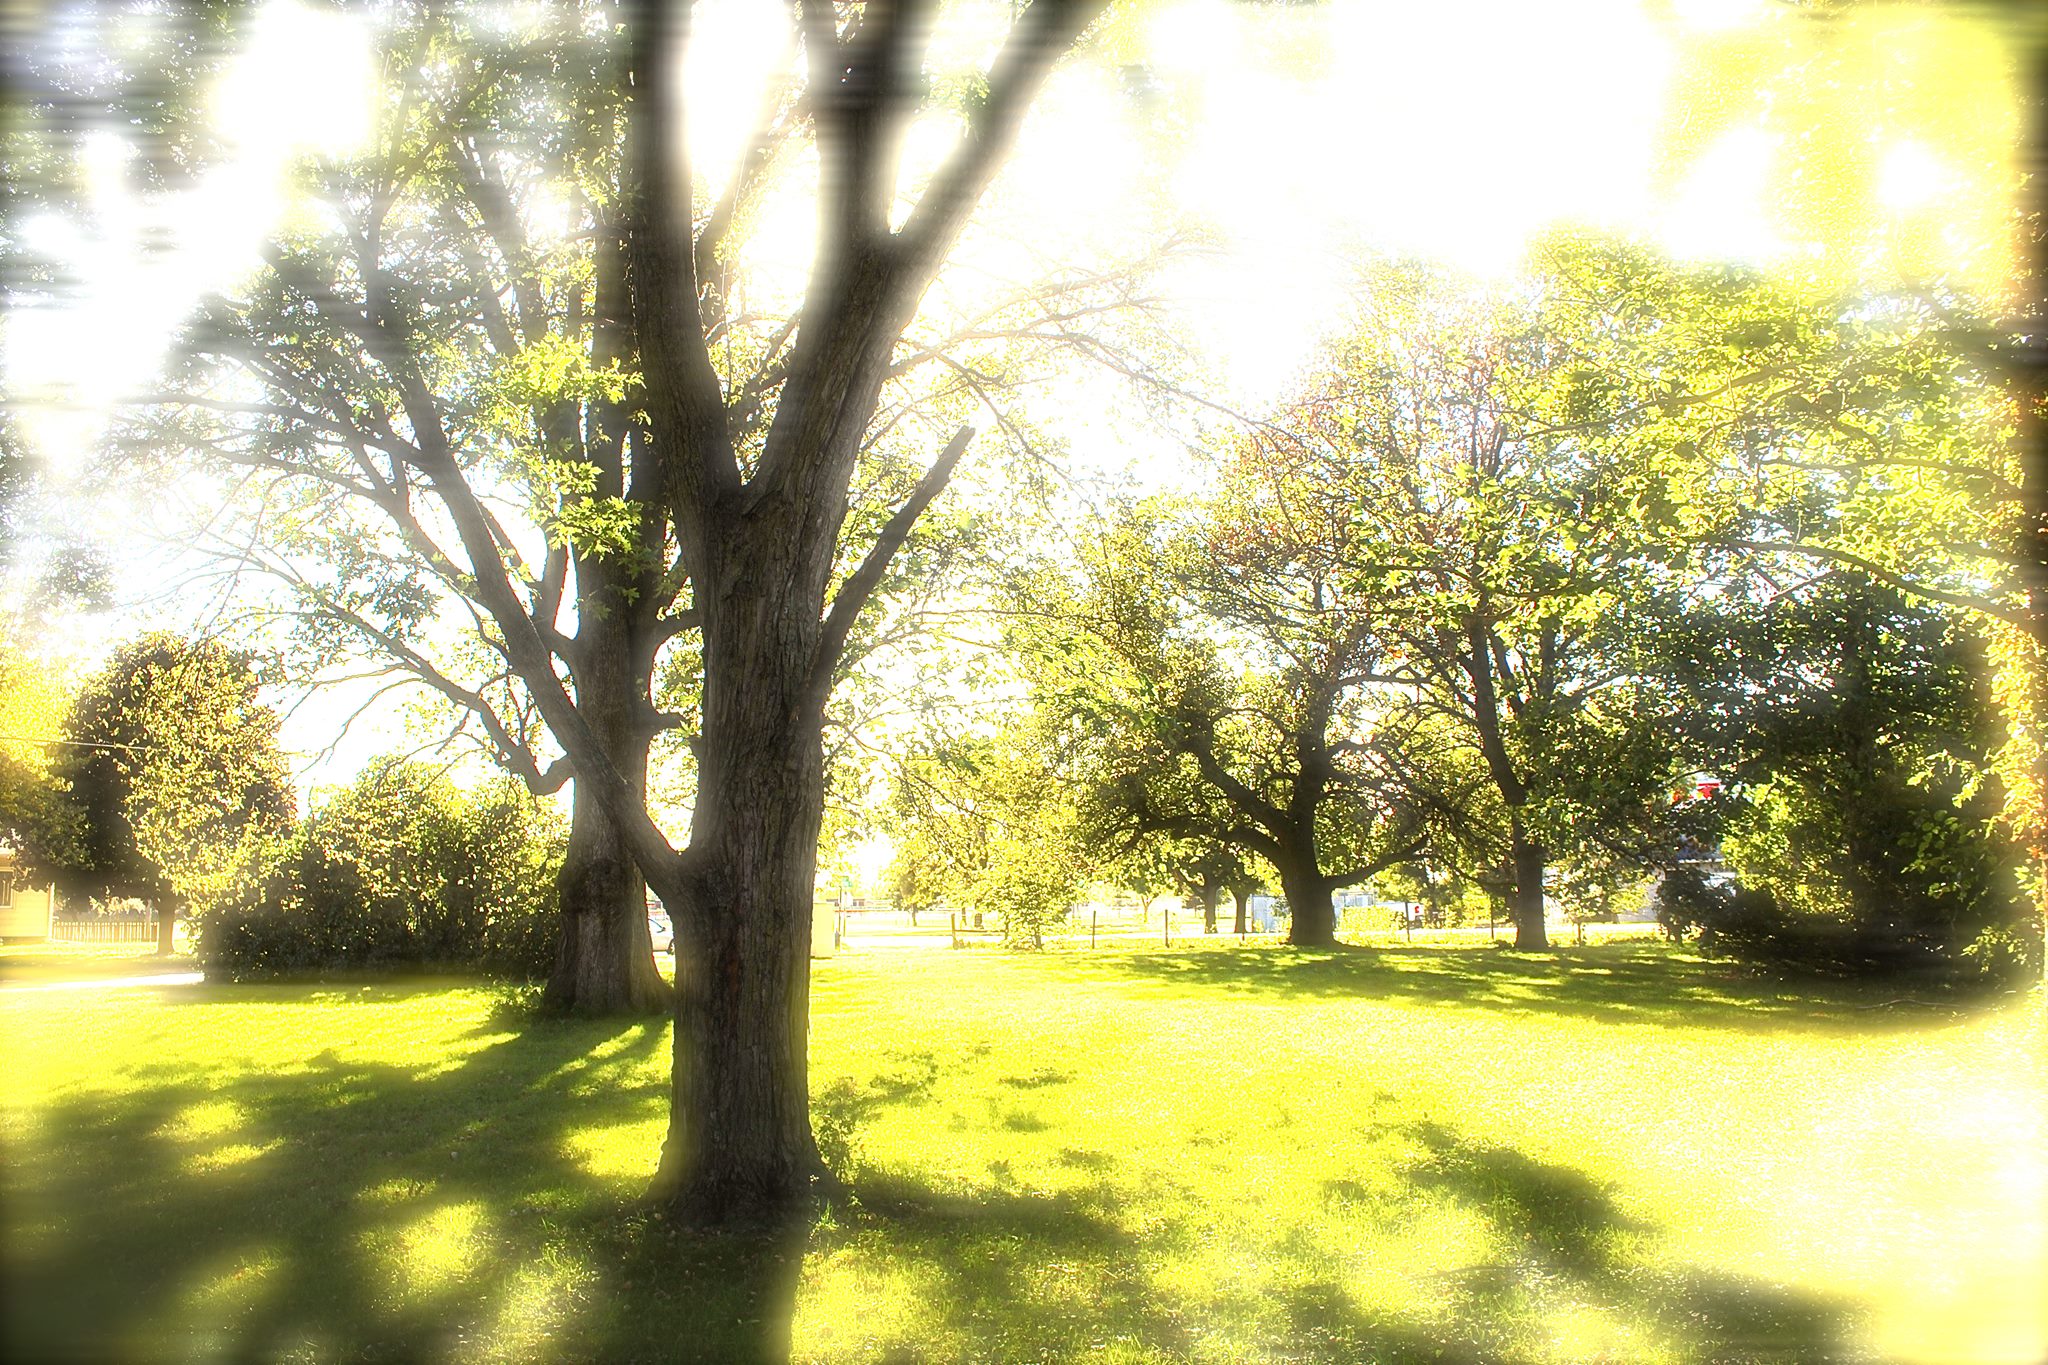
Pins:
x: 103, y: 930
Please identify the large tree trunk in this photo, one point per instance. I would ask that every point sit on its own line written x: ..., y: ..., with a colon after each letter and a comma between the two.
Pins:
x: 739, y: 1147
x: 1525, y: 898
x: 1312, y: 911
x: 759, y: 541
x: 166, y: 925
x: 604, y: 955
x: 1239, y: 895
x: 1212, y: 890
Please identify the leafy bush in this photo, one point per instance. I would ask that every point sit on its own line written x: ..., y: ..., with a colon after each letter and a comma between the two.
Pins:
x: 1863, y: 829
x: 515, y: 847
x: 400, y: 868
x: 1753, y: 925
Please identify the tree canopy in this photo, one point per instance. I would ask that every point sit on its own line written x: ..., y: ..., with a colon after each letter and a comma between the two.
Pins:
x: 169, y: 763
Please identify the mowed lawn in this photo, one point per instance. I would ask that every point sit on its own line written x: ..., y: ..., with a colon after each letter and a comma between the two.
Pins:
x: 32, y: 964
x: 1201, y: 1153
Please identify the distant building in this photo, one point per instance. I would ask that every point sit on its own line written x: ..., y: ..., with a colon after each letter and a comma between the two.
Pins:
x: 26, y: 910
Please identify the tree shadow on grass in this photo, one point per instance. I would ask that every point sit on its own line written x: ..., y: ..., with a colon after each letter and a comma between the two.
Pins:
x: 1621, y: 982
x: 1001, y: 1272
x: 1004, y: 1274
x: 368, y: 1211
x: 1564, y: 1244
x: 372, y: 1211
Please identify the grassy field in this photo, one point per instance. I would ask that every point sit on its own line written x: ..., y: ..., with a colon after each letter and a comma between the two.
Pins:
x: 1204, y: 1153
x: 25, y: 964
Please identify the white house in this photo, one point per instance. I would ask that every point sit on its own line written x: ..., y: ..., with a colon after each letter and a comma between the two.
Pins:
x: 25, y: 909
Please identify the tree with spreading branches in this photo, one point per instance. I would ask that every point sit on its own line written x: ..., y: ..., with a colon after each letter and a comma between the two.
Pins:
x: 1224, y: 691
x: 169, y: 764
x: 693, y: 466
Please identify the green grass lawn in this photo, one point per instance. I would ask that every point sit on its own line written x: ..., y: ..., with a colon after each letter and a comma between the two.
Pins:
x: 1203, y: 1153
x: 23, y: 964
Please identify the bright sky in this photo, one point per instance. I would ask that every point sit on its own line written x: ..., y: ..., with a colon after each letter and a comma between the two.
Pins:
x: 1289, y: 135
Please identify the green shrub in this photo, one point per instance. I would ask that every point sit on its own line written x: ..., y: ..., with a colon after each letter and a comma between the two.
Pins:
x: 515, y: 846
x: 401, y: 868
x: 1751, y: 924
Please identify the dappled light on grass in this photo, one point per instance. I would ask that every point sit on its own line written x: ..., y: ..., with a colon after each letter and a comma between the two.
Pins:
x: 227, y: 1157
x: 222, y: 1291
x: 536, y: 1308
x: 1389, y: 1154
x: 204, y: 1131
x: 618, y: 1154
x: 430, y: 1254
x: 1207, y: 1154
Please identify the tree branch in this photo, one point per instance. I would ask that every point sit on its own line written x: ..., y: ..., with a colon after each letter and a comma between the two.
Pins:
x: 2010, y: 615
x: 853, y: 595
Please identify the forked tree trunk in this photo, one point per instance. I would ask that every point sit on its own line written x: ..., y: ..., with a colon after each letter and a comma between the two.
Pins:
x: 1525, y: 898
x: 760, y: 547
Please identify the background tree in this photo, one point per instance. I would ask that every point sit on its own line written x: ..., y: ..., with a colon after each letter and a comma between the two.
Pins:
x: 984, y: 822
x: 439, y: 247
x: 171, y: 764
x: 1864, y: 830
x: 1517, y: 489
x: 35, y: 808
x: 1208, y: 870
x: 1227, y: 693
x: 1149, y: 867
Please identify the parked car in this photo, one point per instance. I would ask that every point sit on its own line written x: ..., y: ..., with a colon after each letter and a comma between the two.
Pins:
x: 659, y: 928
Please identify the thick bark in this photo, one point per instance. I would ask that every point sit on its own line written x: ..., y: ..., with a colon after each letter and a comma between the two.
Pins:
x: 1312, y: 912
x: 760, y: 547
x: 1525, y: 898
x: 604, y: 956
x: 166, y: 926
x: 739, y: 1146
x: 1240, y: 894
x: 1212, y: 890
x: 1525, y: 856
